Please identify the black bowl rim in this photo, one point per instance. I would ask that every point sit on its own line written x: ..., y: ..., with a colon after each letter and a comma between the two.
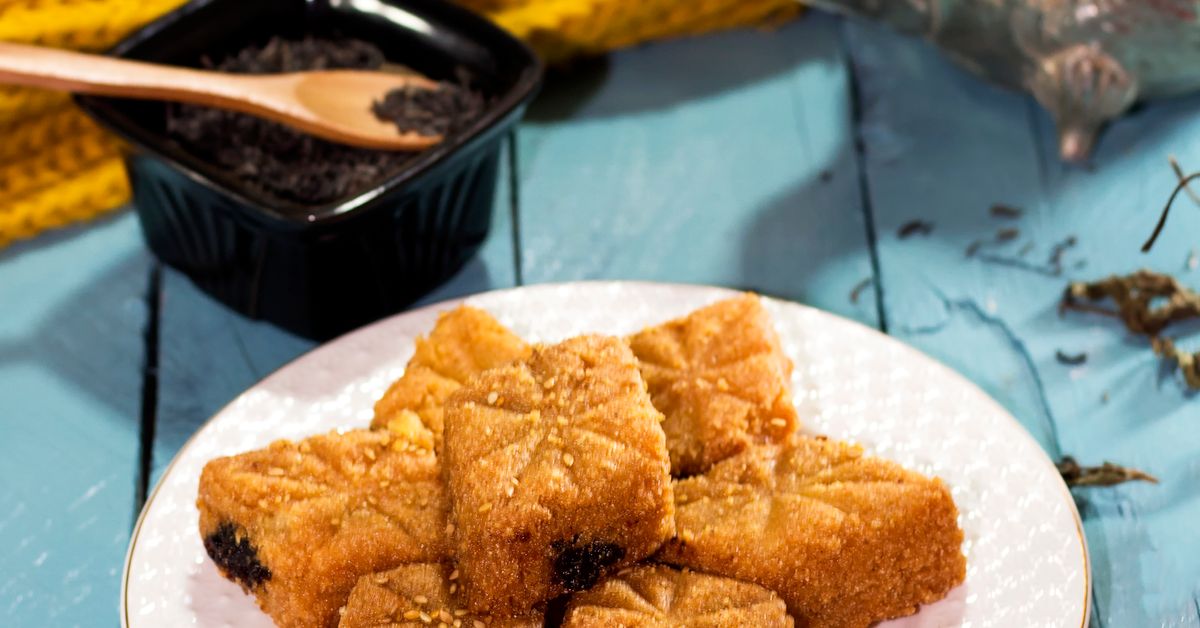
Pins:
x: 303, y: 215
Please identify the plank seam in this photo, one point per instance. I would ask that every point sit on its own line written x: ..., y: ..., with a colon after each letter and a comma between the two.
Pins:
x: 1097, y: 616
x: 1088, y: 511
x: 240, y: 343
x: 864, y: 184
x: 514, y: 206
x: 149, y: 409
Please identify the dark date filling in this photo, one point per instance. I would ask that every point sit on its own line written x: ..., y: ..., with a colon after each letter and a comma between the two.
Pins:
x: 579, y: 566
x: 236, y: 557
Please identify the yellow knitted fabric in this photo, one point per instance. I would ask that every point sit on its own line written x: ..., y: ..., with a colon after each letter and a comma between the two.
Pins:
x: 562, y: 29
x: 97, y: 190
x: 56, y: 165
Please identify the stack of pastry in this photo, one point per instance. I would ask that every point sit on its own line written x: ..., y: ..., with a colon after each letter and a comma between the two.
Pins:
x: 654, y: 480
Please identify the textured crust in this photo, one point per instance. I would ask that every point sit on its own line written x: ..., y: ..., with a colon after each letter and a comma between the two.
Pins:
x: 656, y: 596
x: 465, y: 342
x: 298, y: 523
x: 417, y: 595
x: 845, y: 540
x: 721, y: 378
x: 557, y: 472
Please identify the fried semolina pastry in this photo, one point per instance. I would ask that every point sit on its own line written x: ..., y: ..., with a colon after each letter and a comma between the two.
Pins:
x: 420, y: 594
x: 297, y: 523
x: 657, y: 596
x: 844, y: 539
x: 466, y: 341
x: 721, y: 379
x: 557, y: 472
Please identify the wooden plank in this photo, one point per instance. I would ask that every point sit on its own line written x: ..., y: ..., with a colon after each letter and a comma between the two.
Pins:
x: 724, y: 160
x: 943, y: 147
x: 70, y: 361
x: 208, y: 354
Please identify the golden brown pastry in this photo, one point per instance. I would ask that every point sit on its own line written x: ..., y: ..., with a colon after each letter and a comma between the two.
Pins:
x: 844, y: 539
x: 417, y: 595
x: 656, y: 596
x: 557, y: 472
x: 297, y: 524
x: 466, y: 341
x: 721, y: 379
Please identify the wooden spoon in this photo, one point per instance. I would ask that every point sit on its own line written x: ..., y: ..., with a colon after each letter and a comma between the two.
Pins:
x: 331, y: 104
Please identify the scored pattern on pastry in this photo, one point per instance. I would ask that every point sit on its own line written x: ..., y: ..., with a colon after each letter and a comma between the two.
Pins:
x: 844, y: 539
x: 557, y: 471
x: 657, y: 596
x: 421, y: 594
x: 465, y: 342
x: 721, y: 378
x: 297, y: 523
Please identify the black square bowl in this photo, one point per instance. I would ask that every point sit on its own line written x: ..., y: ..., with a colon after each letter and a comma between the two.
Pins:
x: 320, y: 270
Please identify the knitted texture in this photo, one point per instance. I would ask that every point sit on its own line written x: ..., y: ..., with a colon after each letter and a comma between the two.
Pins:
x: 564, y: 29
x: 56, y: 166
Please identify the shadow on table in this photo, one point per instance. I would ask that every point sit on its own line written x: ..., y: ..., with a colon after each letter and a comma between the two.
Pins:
x: 809, y: 244
x: 669, y: 73
x: 94, y: 338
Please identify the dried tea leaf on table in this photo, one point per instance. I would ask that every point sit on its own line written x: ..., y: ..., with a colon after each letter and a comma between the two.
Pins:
x: 1108, y: 474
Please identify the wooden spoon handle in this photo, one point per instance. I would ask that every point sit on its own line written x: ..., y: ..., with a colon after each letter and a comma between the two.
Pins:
x: 51, y: 68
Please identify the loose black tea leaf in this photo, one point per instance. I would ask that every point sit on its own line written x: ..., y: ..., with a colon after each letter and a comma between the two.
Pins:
x: 826, y: 176
x: 429, y: 111
x: 284, y: 164
x: 914, y: 227
x: 1070, y: 360
x: 1181, y: 176
x: 857, y: 291
x: 1056, y: 254
x: 1135, y: 297
x: 1167, y: 209
x: 1008, y: 235
x: 1053, y: 268
x: 1181, y: 186
x: 1108, y: 474
x: 1007, y: 212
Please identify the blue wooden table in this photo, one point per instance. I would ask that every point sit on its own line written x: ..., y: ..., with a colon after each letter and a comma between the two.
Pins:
x: 784, y: 162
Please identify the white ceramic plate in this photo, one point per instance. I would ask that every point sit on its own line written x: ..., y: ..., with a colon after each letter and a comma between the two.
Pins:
x: 1027, y: 562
